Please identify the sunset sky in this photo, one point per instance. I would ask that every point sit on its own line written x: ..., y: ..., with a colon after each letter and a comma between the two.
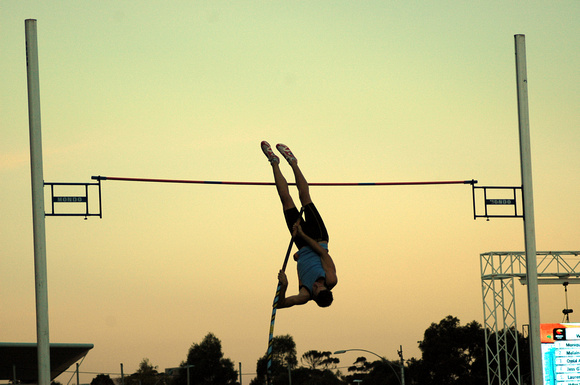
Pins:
x: 361, y: 91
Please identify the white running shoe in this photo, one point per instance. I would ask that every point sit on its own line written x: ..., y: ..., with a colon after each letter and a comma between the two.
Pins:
x: 272, y: 158
x: 285, y: 151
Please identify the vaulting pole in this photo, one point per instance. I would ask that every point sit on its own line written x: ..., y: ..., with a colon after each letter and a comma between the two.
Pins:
x: 528, y: 198
x: 40, y: 271
x: 269, y: 352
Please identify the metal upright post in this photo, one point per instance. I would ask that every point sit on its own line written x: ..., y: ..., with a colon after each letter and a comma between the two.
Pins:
x: 528, y: 198
x: 40, y: 271
x: 402, y: 361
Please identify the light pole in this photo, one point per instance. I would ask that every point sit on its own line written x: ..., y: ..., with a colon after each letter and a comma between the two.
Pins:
x: 401, y: 378
x: 187, y: 367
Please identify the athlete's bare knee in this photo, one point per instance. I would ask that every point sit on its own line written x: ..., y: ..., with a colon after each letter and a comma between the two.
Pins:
x: 287, y: 202
x: 305, y: 198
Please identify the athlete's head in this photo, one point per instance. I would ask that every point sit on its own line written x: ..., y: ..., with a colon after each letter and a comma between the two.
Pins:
x: 324, y: 298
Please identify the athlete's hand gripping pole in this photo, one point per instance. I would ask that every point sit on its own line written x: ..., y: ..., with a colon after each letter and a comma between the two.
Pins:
x: 274, y: 307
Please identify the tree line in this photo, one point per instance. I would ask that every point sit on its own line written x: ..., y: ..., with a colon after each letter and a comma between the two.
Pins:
x: 451, y: 354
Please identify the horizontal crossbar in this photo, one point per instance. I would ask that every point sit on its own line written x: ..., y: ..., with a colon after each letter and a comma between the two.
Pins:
x: 471, y: 182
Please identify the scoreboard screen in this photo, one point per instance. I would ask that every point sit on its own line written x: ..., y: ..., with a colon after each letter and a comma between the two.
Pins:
x: 561, y: 353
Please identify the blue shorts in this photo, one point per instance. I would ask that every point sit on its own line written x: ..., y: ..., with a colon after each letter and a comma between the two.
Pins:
x: 312, y: 224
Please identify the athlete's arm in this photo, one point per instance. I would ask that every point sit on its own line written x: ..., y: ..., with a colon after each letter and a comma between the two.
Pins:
x: 301, y: 298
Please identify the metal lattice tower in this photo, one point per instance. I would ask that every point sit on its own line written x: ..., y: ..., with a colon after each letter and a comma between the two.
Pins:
x: 498, y: 273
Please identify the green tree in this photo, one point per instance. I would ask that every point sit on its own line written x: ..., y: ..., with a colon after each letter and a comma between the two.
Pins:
x: 315, y: 369
x: 209, y: 367
x: 454, y: 354
x: 146, y: 374
x: 307, y: 376
x: 358, y: 370
x: 283, y: 361
x: 384, y: 372
x: 313, y: 359
x: 102, y: 379
x: 379, y: 372
x: 451, y: 354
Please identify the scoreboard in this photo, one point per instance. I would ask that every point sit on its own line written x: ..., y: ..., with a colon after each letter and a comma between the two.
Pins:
x: 561, y: 353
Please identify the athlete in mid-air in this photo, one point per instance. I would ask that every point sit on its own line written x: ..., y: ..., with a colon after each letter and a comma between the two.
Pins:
x: 316, y: 270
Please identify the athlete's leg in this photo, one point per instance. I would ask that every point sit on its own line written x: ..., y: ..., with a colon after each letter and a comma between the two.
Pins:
x: 313, y: 224
x: 301, y: 183
x: 282, y: 187
x: 291, y: 213
x: 279, y: 180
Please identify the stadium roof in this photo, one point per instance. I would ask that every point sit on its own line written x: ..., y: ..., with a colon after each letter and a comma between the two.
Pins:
x: 21, y: 360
